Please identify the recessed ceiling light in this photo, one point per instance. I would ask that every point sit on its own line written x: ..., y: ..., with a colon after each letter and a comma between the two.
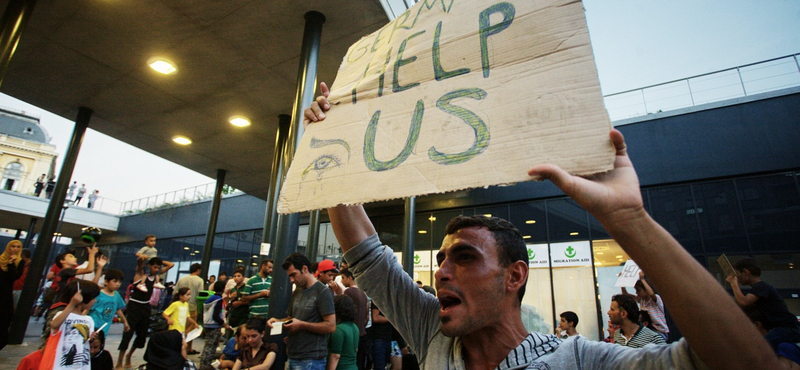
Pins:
x: 197, y: 251
x: 618, y: 256
x: 186, y: 248
x: 487, y: 214
x: 573, y: 233
x: 526, y: 237
x: 530, y: 222
x: 255, y: 256
x: 162, y: 65
x: 239, y: 121
x: 422, y: 232
x: 183, y: 140
x: 432, y: 218
x: 600, y: 253
x: 240, y: 261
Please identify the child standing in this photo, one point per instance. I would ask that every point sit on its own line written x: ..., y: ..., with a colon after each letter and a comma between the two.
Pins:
x: 147, y: 253
x: 213, y: 321
x: 177, y: 314
x: 68, y: 345
x: 101, y: 359
x: 109, y: 303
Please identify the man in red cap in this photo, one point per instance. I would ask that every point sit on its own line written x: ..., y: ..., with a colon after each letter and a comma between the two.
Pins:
x: 326, y: 273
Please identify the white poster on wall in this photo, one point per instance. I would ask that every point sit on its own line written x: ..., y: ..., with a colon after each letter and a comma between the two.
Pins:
x: 577, y: 253
x: 537, y: 256
x: 422, y: 261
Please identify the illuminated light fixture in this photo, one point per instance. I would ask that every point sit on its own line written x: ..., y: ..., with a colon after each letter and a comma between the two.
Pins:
x: 573, y: 233
x: 600, y: 253
x: 487, y: 214
x: 186, y: 248
x: 197, y: 251
x: 422, y: 232
x: 182, y: 140
x: 432, y: 218
x: 526, y: 237
x: 240, y: 261
x: 255, y: 256
x: 618, y: 256
x: 598, y: 264
x: 530, y: 222
x: 239, y: 121
x: 162, y: 65
x: 254, y: 264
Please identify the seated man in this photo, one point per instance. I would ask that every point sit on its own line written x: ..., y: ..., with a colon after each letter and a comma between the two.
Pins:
x: 625, y: 313
x: 483, y: 267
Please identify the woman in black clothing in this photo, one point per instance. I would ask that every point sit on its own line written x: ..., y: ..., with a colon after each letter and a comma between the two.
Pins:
x: 11, y: 267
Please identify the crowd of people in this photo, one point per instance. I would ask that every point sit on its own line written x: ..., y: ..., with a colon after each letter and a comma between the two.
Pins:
x: 367, y: 313
x: 75, y: 194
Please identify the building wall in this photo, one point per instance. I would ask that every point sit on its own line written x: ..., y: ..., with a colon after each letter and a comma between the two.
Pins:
x: 34, y: 157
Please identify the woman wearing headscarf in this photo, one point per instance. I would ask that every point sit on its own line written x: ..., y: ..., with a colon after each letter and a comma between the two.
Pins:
x: 11, y: 267
x: 166, y: 351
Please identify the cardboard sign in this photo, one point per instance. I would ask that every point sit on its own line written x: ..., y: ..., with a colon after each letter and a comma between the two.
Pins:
x: 571, y: 254
x: 451, y: 95
x: 538, y: 256
x: 629, y: 275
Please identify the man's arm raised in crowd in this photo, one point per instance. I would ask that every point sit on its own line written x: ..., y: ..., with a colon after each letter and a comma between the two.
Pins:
x: 717, y: 330
x: 350, y: 224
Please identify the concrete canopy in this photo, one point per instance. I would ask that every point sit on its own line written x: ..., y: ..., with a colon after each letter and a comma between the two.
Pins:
x: 236, y: 57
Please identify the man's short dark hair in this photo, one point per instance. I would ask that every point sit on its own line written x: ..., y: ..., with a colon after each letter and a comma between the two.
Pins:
x: 748, y: 264
x: 115, y: 274
x: 298, y: 260
x: 345, y: 308
x: 195, y: 267
x: 627, y: 304
x: 346, y: 273
x: 265, y: 261
x: 239, y: 269
x: 223, y: 273
x: 59, y: 258
x: 507, y: 237
x: 219, y: 286
x: 570, y: 316
x: 155, y: 261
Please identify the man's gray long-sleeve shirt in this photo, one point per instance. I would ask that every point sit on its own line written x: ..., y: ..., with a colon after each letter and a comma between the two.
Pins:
x: 415, y: 314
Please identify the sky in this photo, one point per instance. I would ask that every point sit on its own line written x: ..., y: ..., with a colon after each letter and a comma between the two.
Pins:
x: 636, y: 43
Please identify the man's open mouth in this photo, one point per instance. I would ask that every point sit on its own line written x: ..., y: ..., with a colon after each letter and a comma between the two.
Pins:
x: 448, y: 301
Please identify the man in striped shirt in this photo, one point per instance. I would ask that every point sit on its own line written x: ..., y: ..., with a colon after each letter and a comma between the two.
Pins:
x: 651, y: 302
x: 625, y: 313
x: 256, y: 291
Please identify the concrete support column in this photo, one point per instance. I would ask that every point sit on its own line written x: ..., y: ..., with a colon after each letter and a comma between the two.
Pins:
x: 270, y: 234
x: 312, y: 249
x: 212, y: 225
x: 408, y: 235
x: 286, y: 241
x: 39, y: 259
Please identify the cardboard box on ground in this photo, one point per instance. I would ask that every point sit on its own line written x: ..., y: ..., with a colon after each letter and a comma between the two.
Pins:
x: 454, y: 95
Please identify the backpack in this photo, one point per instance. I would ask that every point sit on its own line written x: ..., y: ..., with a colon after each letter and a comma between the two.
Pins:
x: 208, y: 312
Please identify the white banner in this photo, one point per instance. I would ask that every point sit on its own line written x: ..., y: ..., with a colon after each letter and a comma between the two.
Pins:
x: 537, y: 256
x: 571, y: 254
x: 422, y: 261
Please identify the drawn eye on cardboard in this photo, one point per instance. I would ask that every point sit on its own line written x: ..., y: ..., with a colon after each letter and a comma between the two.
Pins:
x: 329, y: 159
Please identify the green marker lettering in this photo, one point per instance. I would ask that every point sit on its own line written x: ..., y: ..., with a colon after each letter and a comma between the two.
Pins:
x: 487, y: 30
x: 470, y: 118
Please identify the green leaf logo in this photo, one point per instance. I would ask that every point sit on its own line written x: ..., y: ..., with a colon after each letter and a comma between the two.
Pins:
x: 531, y: 254
x: 570, y: 252
x: 417, y: 259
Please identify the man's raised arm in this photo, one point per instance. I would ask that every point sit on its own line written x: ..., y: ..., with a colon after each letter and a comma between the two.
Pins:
x: 716, y: 329
x: 350, y: 223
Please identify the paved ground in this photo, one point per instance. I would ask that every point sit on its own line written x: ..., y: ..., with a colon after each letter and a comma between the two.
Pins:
x: 12, y: 354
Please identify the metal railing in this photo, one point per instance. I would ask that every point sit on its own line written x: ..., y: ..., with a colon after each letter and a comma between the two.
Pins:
x: 749, y: 79
x: 173, y: 198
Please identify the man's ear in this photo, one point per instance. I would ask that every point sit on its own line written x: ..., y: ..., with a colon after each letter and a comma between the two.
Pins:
x: 517, y: 276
